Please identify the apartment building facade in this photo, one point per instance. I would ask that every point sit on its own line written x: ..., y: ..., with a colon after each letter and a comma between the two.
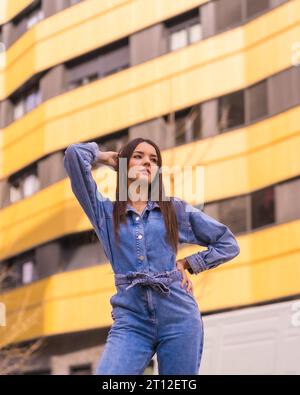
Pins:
x: 213, y: 83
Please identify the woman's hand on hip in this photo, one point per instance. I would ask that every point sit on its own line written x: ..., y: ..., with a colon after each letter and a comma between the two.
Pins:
x: 182, y: 265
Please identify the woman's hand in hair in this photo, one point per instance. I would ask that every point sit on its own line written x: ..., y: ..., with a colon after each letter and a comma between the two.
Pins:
x: 109, y: 158
x: 182, y: 265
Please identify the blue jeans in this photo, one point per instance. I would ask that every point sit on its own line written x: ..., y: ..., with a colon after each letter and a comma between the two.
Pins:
x: 152, y: 314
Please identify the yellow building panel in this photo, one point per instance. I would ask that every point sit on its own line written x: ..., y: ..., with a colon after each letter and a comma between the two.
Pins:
x: 172, y: 82
x: 234, y: 163
x: 267, y: 269
x: 44, y: 305
x: 10, y: 8
x: 247, y: 42
x: 77, y: 30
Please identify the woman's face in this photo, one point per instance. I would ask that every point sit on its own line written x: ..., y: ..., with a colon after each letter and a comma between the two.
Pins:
x: 143, y: 163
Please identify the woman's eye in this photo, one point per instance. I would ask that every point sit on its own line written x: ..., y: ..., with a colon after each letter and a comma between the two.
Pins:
x: 139, y: 156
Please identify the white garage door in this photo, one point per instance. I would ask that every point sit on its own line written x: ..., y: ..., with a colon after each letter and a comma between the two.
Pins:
x: 259, y: 340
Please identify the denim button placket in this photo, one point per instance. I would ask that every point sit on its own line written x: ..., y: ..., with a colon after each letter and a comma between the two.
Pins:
x: 138, y: 233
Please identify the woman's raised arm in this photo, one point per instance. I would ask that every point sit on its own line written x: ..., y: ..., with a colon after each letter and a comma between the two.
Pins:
x: 78, y: 161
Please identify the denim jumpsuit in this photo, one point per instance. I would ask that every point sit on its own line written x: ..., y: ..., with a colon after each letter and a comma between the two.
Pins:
x: 151, y: 312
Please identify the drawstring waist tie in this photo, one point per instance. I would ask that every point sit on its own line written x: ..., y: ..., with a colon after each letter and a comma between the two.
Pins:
x: 160, y: 282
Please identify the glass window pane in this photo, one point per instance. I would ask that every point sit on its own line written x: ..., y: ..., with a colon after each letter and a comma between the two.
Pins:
x: 38, y: 97
x: 34, y: 18
x: 263, y: 207
x: 233, y: 213
x: 195, y: 33
x: 31, y: 185
x: 258, y: 101
x: 2, y: 55
x: 30, y: 102
x: 228, y: 13
x: 288, y: 200
x: 27, y: 272
x: 179, y: 39
x: 231, y: 111
x: 19, y: 109
x: 254, y: 7
x: 15, y: 194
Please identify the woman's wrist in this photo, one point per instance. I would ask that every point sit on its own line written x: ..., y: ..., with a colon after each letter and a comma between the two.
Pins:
x: 102, y: 157
x: 186, y: 264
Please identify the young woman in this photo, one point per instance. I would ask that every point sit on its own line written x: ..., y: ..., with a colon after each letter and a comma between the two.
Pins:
x: 154, y: 310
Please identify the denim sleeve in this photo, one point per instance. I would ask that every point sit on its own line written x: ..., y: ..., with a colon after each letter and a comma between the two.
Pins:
x: 206, y: 231
x: 78, y: 161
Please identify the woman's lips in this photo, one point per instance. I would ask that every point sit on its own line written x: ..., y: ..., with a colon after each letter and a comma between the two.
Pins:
x: 145, y: 171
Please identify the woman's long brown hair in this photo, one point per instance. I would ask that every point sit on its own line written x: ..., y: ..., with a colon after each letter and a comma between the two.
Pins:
x: 166, y: 206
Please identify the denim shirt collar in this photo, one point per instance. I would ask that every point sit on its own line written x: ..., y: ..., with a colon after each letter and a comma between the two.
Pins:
x: 150, y: 205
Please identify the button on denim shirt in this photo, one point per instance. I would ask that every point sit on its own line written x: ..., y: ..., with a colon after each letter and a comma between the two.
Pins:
x: 143, y: 247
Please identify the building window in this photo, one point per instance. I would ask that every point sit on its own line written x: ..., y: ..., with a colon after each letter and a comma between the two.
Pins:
x: 178, y: 39
x: 27, y: 19
x: 2, y: 51
x: 287, y: 82
x: 34, y: 17
x: 187, y: 125
x: 257, y: 98
x: 30, y: 185
x: 288, y: 200
x: 85, y: 369
x: 254, y: 7
x: 19, y: 109
x: 263, y: 207
x: 10, y: 277
x: 28, y: 272
x: 19, y: 270
x: 184, y: 37
x: 73, y: 2
x: 97, y: 64
x: 184, y: 30
x: 26, y: 101
x: 24, y: 183
x: 229, y: 13
x: 82, y: 81
x: 233, y: 213
x: 32, y: 99
x: 195, y: 32
x: 15, y: 191
x: 80, y: 250
x: 113, y: 142
x: 231, y: 111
